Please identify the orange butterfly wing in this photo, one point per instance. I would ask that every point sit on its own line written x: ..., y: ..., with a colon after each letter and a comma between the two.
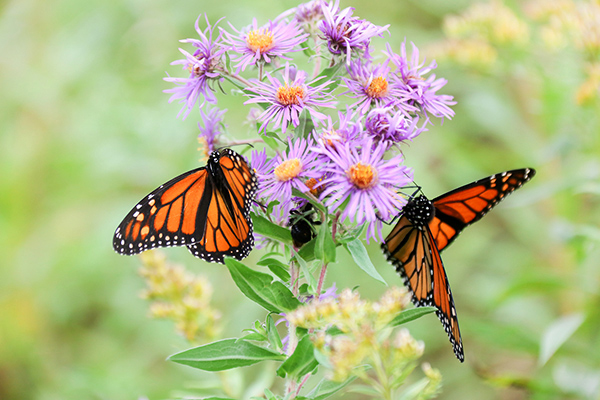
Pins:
x: 228, y: 227
x: 414, y: 247
x: 411, y: 249
x: 206, y: 209
x: 467, y: 204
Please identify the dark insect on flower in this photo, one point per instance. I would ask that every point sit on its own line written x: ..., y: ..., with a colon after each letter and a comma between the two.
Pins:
x: 302, y: 225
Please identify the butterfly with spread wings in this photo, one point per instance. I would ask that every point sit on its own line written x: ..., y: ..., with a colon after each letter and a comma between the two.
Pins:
x: 426, y: 227
x: 206, y: 209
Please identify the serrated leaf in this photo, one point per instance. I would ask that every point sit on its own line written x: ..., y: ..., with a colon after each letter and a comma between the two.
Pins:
x: 327, y: 388
x: 259, y: 287
x: 359, y: 253
x: 325, y: 249
x: 410, y: 315
x: 557, y: 334
x: 301, y: 362
x: 225, y: 354
x: 271, y: 230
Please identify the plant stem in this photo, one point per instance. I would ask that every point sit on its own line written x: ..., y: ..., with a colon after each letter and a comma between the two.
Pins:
x: 321, y: 279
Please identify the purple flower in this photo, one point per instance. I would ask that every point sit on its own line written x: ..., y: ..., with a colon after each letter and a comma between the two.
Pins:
x: 417, y: 89
x: 361, y: 176
x: 256, y: 44
x: 330, y: 135
x: 290, y: 170
x: 345, y: 34
x: 370, y: 85
x: 203, y: 66
x: 289, y: 98
x: 308, y: 15
x: 388, y: 126
x: 213, y: 123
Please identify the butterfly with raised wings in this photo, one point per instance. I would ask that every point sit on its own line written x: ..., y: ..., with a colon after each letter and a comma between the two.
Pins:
x: 426, y: 227
x: 206, y: 209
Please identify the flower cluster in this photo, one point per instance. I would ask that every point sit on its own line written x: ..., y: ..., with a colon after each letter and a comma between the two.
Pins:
x: 362, y: 336
x: 351, y: 162
x: 179, y: 296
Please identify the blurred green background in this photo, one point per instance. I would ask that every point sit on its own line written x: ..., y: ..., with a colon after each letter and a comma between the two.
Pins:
x: 86, y: 132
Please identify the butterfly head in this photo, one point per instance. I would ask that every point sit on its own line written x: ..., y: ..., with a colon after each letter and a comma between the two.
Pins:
x: 419, y: 211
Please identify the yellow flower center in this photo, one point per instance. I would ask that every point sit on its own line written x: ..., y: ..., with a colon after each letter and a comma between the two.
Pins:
x: 289, y: 169
x: 290, y: 95
x: 377, y: 88
x: 362, y: 176
x: 260, y: 40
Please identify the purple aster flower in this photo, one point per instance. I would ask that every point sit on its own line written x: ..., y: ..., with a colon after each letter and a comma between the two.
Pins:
x: 256, y: 44
x: 213, y: 123
x: 345, y: 34
x: 417, y: 89
x: 262, y: 166
x: 203, y: 66
x: 388, y: 126
x: 290, y: 170
x: 289, y: 98
x: 370, y: 184
x: 332, y: 134
x: 370, y: 85
x: 308, y: 15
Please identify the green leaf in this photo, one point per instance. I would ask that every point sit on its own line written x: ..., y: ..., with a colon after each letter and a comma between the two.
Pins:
x: 557, y: 334
x: 410, y: 315
x: 255, y: 336
x: 307, y: 252
x: 301, y: 362
x: 327, y: 388
x: 271, y: 142
x: 305, y: 125
x: 312, y: 282
x: 317, y: 205
x: 324, y: 246
x: 225, y: 354
x: 271, y: 230
x: 330, y: 73
x: 277, y: 267
x: 259, y: 287
x: 273, y: 334
x: 359, y: 253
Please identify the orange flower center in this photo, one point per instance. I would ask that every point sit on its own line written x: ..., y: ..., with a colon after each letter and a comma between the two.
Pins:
x: 377, y: 88
x: 260, y: 40
x: 311, y: 183
x: 289, y: 169
x: 362, y: 176
x: 290, y: 95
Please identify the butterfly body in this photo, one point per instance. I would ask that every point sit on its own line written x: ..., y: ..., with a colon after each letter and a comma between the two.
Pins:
x: 206, y: 209
x: 426, y: 227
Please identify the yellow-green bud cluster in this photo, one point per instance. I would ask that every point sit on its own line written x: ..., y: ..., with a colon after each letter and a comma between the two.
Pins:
x: 180, y: 296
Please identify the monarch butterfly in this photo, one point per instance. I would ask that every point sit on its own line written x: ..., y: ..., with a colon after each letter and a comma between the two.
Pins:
x: 206, y: 209
x: 426, y: 227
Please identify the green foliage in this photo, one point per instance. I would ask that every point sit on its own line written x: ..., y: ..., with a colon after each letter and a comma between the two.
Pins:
x: 259, y: 287
x: 225, y: 354
x: 86, y: 131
